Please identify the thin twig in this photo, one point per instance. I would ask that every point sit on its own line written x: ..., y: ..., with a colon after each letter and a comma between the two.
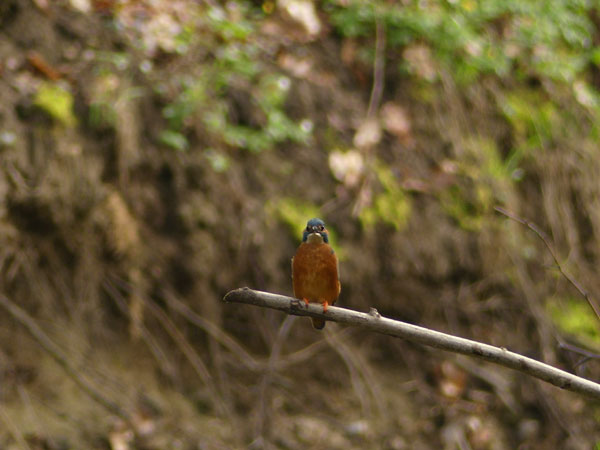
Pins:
x: 166, y: 366
x: 363, y: 381
x: 251, y: 362
x: 578, y: 350
x: 264, y: 410
x: 21, y: 316
x: 307, y: 352
x: 362, y: 198
x: 190, y: 354
x: 378, y: 67
x: 586, y: 354
x: 13, y: 430
x: 187, y: 349
x: 540, y: 233
x: 215, y: 332
x: 374, y: 322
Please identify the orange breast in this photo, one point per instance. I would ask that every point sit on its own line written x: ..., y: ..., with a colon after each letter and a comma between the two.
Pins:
x: 315, y: 273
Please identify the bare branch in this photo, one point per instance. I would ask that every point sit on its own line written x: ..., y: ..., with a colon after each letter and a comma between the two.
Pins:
x: 540, y: 233
x: 375, y: 322
x: 378, y: 67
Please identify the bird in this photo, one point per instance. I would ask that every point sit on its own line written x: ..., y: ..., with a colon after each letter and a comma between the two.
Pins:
x: 315, y: 269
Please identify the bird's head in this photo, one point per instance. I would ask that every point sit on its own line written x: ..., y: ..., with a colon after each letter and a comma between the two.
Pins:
x: 315, y: 231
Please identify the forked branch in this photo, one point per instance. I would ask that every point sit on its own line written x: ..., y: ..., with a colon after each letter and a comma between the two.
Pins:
x: 375, y: 322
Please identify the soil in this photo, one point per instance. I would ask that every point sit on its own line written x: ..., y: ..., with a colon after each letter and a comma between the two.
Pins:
x: 119, y: 250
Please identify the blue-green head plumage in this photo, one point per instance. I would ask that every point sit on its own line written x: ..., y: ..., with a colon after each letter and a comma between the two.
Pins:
x: 315, y: 226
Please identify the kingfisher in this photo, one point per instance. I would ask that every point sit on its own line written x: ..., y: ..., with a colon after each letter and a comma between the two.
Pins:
x: 315, y: 269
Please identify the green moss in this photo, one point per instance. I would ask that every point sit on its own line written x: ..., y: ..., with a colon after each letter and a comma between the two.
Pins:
x: 391, y: 206
x: 462, y: 209
x: 574, y: 316
x: 174, y: 140
x: 218, y: 161
x: 295, y: 213
x: 486, y: 179
x: 534, y: 118
x: 57, y: 102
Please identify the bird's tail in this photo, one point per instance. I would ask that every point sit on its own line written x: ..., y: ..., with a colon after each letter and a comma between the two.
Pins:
x: 318, y: 324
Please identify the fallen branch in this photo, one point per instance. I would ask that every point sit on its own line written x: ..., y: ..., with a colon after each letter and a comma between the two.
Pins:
x: 375, y: 322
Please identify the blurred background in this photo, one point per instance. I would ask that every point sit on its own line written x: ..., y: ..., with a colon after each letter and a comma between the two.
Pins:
x: 155, y: 154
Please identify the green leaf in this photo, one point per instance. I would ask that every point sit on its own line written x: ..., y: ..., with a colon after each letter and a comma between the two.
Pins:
x: 392, y: 206
x: 57, y: 102
x: 174, y: 140
x: 218, y: 161
x: 574, y: 316
x: 294, y: 213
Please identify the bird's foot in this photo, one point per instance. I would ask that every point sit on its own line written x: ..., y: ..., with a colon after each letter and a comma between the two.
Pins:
x: 305, y: 301
x: 325, y: 305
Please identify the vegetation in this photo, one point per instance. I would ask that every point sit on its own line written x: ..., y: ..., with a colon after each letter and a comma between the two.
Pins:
x: 155, y: 155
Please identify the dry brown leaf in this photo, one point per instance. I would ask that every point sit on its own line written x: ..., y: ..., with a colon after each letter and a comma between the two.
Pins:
x: 396, y: 120
x: 347, y: 167
x: 304, y: 13
x: 368, y: 133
